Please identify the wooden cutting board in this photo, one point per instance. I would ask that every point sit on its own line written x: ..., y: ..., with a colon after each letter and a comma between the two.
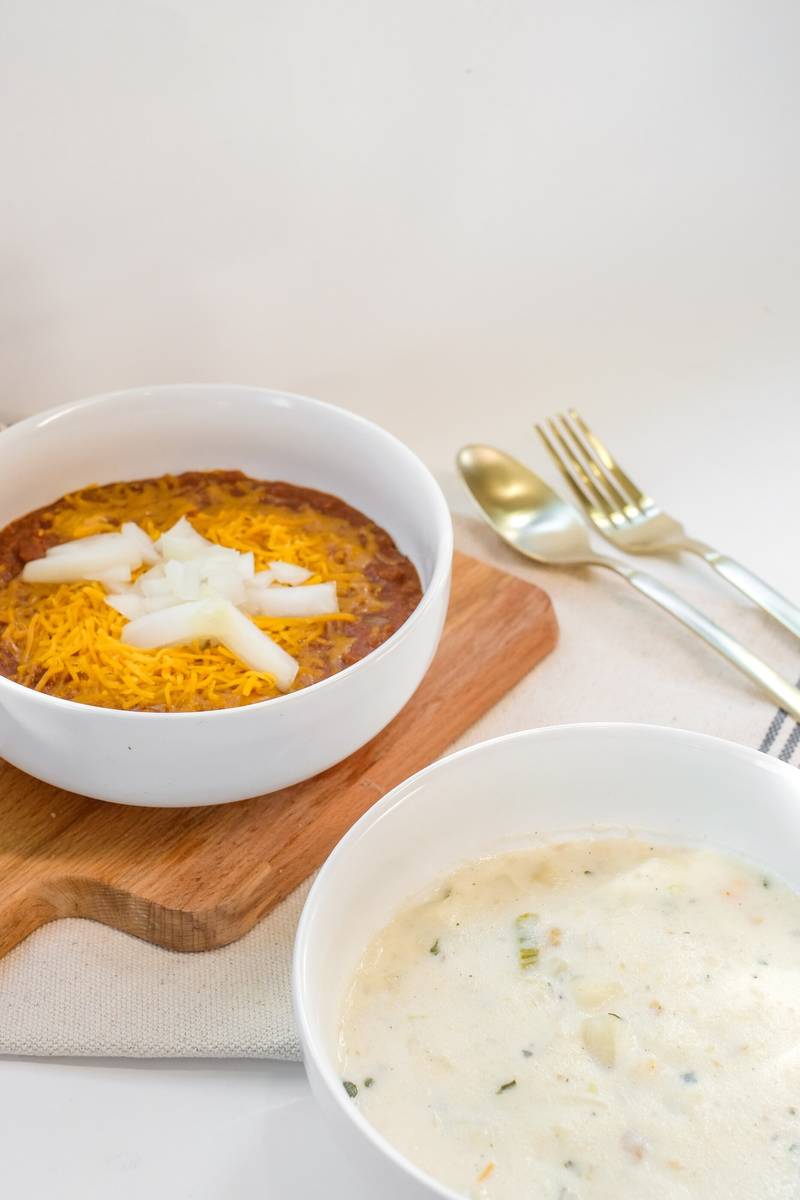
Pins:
x: 198, y: 878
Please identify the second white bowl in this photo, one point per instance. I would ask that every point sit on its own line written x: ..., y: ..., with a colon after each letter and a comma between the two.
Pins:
x: 504, y: 795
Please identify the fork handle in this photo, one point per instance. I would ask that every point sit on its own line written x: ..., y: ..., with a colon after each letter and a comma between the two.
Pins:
x: 784, y: 693
x: 754, y: 588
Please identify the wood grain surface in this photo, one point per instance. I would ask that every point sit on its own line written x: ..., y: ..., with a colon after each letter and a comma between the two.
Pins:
x: 196, y: 879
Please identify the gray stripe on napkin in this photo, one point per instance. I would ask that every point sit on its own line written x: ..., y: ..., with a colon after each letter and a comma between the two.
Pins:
x: 774, y: 729
x: 771, y: 736
x: 792, y: 742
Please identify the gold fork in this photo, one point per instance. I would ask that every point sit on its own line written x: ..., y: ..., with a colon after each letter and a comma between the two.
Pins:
x: 632, y: 520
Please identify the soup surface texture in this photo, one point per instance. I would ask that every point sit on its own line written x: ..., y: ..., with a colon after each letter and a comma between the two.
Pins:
x: 593, y: 1020
x: 64, y: 638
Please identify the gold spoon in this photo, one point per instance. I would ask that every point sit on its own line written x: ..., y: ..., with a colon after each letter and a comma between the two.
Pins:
x: 535, y: 521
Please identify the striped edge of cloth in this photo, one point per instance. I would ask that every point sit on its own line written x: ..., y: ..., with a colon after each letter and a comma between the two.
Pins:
x: 782, y: 740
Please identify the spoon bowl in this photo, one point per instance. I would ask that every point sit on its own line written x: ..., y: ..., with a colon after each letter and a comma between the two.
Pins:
x: 521, y: 507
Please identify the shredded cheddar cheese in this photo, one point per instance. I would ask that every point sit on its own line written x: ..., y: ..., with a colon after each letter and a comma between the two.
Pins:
x: 65, y: 639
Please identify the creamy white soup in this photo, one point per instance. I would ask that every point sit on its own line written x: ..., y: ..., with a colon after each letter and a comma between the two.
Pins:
x: 595, y: 1020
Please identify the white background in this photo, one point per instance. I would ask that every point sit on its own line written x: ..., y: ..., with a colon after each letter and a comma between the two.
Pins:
x: 451, y: 215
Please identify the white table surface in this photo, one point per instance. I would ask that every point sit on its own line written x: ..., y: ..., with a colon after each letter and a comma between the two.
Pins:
x: 451, y: 217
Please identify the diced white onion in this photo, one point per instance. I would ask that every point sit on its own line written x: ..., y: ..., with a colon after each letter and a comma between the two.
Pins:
x: 250, y: 603
x: 157, y: 603
x: 284, y: 572
x: 184, y: 579
x: 215, y: 620
x: 226, y: 583
x: 134, y: 535
x: 115, y: 575
x: 185, y: 530
x: 261, y: 580
x: 84, y: 564
x: 82, y: 544
x: 118, y: 586
x: 130, y: 606
x: 182, y: 542
x: 138, y: 536
x: 314, y: 600
x: 247, y: 565
x: 181, y: 623
x: 256, y: 648
x: 154, y: 587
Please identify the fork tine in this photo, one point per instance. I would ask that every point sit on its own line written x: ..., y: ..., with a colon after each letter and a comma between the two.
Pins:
x: 574, y: 475
x: 583, y: 499
x: 578, y: 467
x: 606, y: 458
x: 620, y: 504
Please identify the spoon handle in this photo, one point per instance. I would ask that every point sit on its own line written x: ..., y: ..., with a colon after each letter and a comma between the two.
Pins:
x: 784, y: 693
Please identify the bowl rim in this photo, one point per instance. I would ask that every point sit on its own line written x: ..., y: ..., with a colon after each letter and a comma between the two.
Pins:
x: 398, y: 795
x: 440, y: 514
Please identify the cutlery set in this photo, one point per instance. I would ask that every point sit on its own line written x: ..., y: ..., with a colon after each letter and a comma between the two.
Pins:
x: 527, y: 514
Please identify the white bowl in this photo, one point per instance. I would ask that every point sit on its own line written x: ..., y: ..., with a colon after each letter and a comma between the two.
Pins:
x: 503, y: 795
x: 183, y: 759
